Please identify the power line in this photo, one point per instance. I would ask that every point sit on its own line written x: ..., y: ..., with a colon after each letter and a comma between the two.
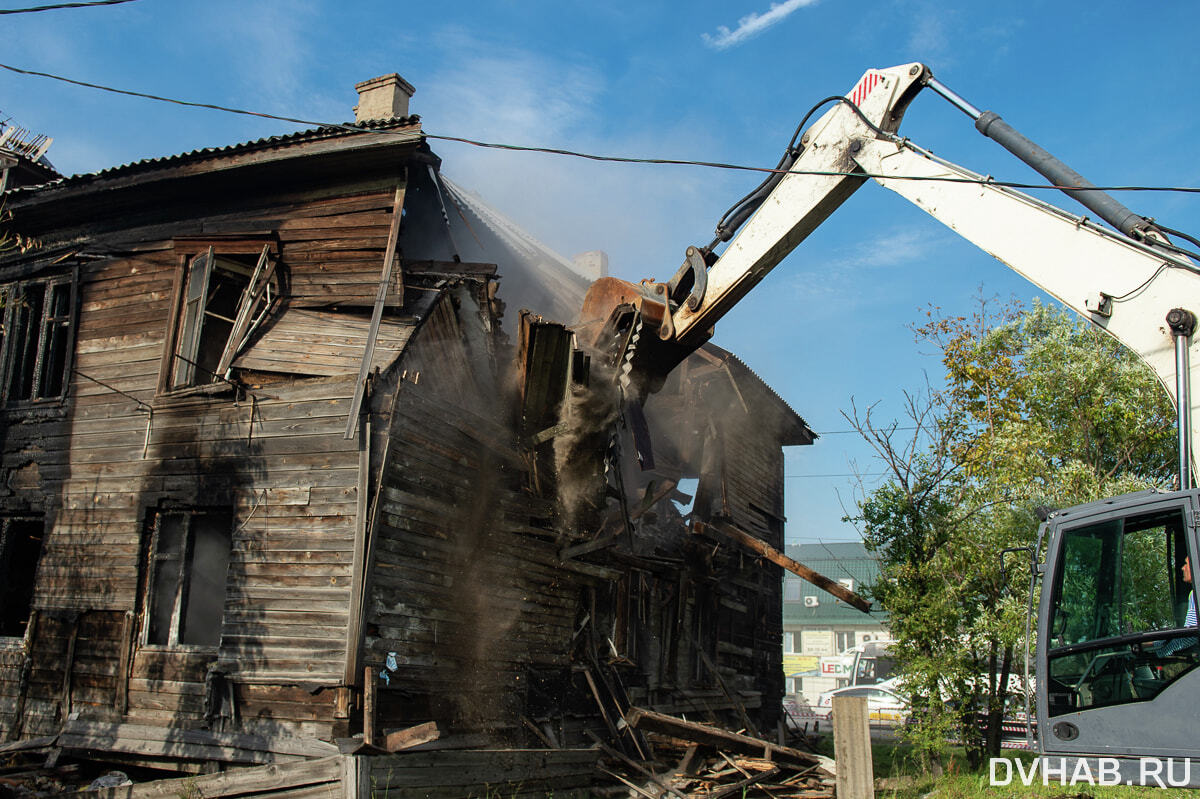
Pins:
x: 842, y: 432
x: 145, y: 96
x: 590, y: 156
x: 844, y: 474
x: 57, y: 6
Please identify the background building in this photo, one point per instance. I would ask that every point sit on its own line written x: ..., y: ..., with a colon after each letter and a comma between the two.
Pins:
x: 819, y: 629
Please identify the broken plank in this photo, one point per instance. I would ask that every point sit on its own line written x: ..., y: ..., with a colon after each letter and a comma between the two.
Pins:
x: 396, y: 740
x: 645, y: 772
x: 650, y: 721
x: 237, y: 781
x: 760, y: 547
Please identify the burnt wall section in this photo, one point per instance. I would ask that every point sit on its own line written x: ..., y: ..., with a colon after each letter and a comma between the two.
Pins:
x: 465, y: 587
x: 270, y: 452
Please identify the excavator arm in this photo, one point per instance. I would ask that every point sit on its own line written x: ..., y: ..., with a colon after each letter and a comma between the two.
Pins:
x: 1124, y: 284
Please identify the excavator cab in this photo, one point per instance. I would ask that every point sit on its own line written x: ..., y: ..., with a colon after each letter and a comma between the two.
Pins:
x: 1116, y: 660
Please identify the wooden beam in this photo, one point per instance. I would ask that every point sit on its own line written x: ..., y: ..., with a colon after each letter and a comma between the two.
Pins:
x: 739, y: 788
x: 237, y: 781
x: 633, y: 764
x: 760, y: 547
x: 649, y: 720
x: 448, y: 267
x: 385, y: 279
x: 396, y: 740
x: 370, y: 694
x: 358, y: 579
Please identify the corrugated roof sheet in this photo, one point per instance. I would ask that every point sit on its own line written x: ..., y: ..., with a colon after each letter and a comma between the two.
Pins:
x: 738, y: 363
x: 286, y: 139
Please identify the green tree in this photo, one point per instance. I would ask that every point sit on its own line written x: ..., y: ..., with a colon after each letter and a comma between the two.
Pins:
x: 1037, y: 409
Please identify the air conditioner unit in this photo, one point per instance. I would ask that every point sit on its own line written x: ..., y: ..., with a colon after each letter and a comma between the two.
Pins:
x: 810, y: 602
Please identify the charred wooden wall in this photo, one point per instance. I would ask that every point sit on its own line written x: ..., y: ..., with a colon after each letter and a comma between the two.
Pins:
x: 274, y: 452
x: 465, y: 586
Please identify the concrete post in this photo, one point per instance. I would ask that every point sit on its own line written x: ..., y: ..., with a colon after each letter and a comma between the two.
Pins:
x: 852, y: 748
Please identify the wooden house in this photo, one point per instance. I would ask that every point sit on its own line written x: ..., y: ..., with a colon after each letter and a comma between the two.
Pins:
x: 269, y: 440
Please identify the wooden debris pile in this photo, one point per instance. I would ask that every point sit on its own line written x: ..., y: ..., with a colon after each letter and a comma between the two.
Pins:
x: 694, y: 760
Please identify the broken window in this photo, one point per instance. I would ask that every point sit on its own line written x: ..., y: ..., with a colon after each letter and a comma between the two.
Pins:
x: 225, y: 297
x: 35, y: 342
x: 189, y: 560
x: 20, y: 548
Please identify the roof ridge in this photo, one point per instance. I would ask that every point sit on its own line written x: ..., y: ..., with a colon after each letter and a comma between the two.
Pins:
x: 309, y: 134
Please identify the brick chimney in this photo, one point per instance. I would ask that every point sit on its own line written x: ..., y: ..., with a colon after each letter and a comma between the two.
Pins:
x: 382, y: 98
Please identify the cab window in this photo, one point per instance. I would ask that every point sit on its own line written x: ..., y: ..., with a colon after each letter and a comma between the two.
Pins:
x: 1117, y: 627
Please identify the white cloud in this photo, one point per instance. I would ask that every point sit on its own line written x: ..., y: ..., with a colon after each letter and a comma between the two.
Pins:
x: 890, y: 249
x: 931, y: 38
x: 753, y: 24
x: 643, y: 216
x: 866, y: 273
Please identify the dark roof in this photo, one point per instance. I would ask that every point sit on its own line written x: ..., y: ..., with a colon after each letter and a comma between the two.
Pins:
x: 797, y: 432
x: 269, y: 142
x: 25, y: 171
x: 835, y: 560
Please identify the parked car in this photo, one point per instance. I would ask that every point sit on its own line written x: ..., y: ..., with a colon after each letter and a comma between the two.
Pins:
x: 799, y: 715
x: 883, y: 704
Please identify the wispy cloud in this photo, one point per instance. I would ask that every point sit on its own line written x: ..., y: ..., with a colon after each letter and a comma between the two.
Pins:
x: 643, y: 216
x: 865, y: 274
x: 753, y: 24
x: 893, y: 248
x: 931, y: 36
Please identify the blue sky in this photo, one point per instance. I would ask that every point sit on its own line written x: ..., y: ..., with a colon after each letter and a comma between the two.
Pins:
x: 1108, y: 87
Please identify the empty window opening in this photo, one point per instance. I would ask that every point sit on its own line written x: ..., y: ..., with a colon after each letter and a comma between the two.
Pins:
x: 35, y: 340
x: 189, y: 562
x: 20, y: 549
x: 224, y: 299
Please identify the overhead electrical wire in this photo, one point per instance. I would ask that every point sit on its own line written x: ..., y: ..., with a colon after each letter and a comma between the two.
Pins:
x: 591, y: 156
x: 57, y: 6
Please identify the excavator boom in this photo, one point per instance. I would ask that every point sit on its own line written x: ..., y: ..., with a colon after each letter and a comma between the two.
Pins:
x: 1117, y: 665
x: 1124, y: 284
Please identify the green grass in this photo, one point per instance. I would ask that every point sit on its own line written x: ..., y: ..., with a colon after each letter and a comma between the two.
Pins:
x: 899, y: 775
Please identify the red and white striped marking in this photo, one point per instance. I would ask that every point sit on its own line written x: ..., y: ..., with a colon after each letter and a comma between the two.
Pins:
x: 864, y: 87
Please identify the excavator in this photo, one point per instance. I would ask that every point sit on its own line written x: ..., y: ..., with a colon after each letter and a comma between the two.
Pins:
x: 1114, y: 664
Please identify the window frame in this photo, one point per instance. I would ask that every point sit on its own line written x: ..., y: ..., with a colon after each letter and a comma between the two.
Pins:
x: 256, y: 301
x: 152, y: 558
x: 68, y: 321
